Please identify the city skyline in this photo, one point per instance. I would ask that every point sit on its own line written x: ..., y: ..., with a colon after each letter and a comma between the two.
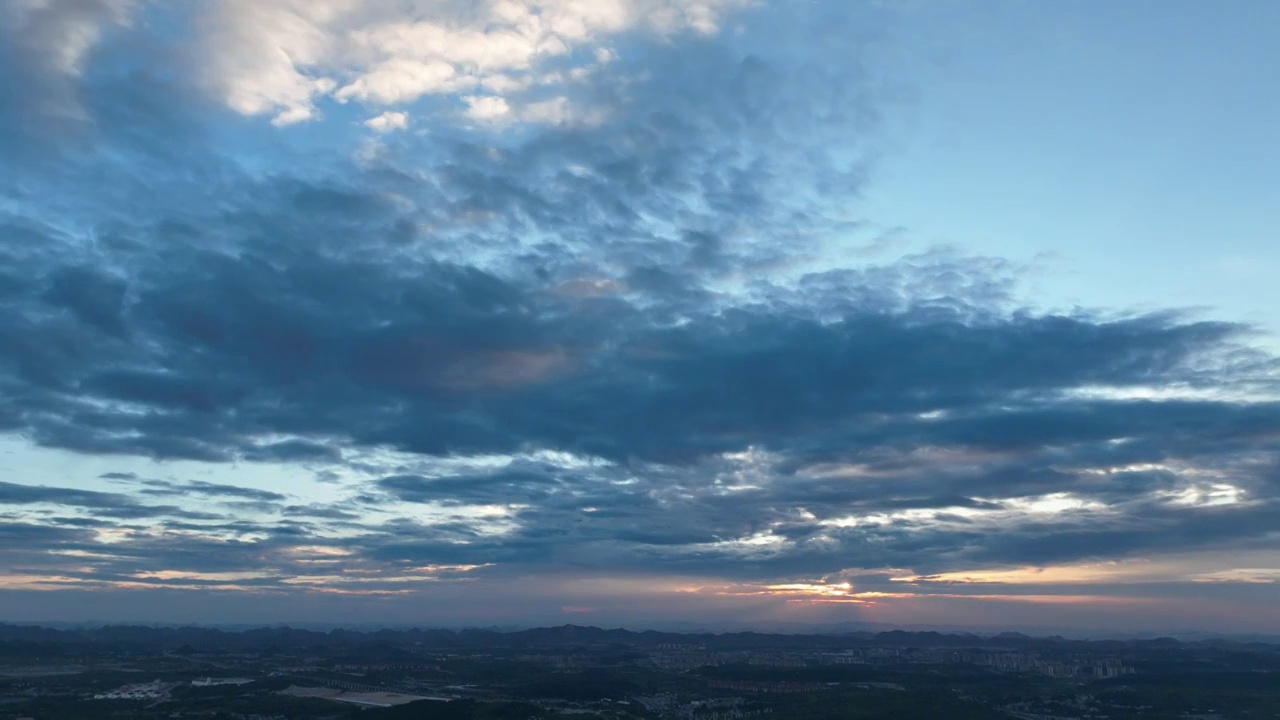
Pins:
x: 640, y: 312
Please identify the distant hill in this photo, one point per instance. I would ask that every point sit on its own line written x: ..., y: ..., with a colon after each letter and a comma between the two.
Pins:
x: 386, y: 643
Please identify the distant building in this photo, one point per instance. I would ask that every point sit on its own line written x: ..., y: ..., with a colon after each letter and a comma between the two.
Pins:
x: 214, y: 682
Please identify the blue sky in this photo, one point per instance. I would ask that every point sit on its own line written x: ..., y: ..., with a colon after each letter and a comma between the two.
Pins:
x: 1128, y: 146
x: 715, y: 311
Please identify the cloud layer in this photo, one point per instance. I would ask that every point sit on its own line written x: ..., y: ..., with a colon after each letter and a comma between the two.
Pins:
x: 608, y: 311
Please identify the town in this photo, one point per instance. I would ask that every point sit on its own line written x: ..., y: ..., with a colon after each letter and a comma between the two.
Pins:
x: 284, y: 673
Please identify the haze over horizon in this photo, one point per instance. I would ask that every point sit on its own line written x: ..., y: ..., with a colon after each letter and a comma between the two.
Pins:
x: 641, y: 312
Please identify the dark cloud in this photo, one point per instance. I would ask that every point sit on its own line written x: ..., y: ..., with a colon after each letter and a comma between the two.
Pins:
x: 294, y: 451
x: 16, y: 494
x: 323, y: 512
x: 94, y: 298
x: 112, y: 505
x: 198, y: 487
x: 514, y: 486
x: 28, y: 535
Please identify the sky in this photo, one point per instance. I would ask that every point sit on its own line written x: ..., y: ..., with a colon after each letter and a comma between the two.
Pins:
x: 642, y: 313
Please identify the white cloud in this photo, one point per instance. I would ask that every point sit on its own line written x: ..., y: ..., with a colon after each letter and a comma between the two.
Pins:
x: 403, y: 80
x: 280, y: 57
x: 264, y: 56
x: 486, y: 107
x: 554, y: 111
x: 388, y: 121
x: 506, y: 84
x: 560, y: 111
x: 293, y: 115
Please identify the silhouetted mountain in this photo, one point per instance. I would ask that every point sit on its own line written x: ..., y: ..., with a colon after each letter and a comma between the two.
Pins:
x: 386, y: 643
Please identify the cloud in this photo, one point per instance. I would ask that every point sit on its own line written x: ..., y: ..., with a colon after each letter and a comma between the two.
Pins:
x: 111, y: 505
x: 46, y: 44
x: 65, y: 30
x: 281, y: 57
x: 588, y: 321
x: 294, y: 450
x: 12, y: 493
x: 486, y: 107
x: 515, y: 486
x: 388, y: 121
x: 197, y: 487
